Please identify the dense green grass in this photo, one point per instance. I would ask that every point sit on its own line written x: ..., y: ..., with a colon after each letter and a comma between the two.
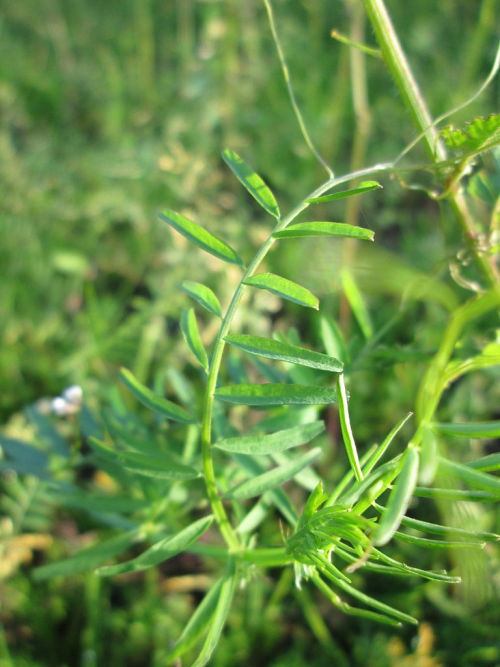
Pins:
x: 110, y: 112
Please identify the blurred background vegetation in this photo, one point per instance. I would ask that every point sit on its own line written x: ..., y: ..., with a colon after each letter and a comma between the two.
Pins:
x: 112, y: 110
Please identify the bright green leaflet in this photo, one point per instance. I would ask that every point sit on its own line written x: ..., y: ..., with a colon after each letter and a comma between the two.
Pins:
x: 345, y: 425
x: 200, y: 236
x: 191, y: 333
x: 273, y: 478
x: 204, y: 296
x: 154, y: 402
x: 252, y: 182
x: 284, y: 288
x: 365, y: 186
x: 276, y: 394
x: 470, y: 429
x: 273, y: 349
x: 399, y: 498
x: 356, y: 302
x: 161, y: 551
x: 274, y: 442
x: 335, y: 229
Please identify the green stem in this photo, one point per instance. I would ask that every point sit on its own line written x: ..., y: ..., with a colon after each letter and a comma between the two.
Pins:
x: 400, y: 70
x: 433, y: 384
x: 218, y: 509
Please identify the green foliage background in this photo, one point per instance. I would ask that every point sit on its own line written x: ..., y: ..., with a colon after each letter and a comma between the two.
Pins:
x: 111, y: 111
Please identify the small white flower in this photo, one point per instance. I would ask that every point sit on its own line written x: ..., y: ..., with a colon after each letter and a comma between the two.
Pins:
x: 59, y: 406
x: 73, y: 394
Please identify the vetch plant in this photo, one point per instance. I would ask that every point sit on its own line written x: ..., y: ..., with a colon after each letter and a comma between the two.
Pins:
x: 338, y: 530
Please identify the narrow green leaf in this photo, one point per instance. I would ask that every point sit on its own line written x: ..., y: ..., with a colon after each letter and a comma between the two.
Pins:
x: 87, y: 559
x: 365, y: 186
x: 486, y: 463
x: 159, y: 467
x: 284, y: 288
x: 219, y: 616
x: 191, y: 333
x: 456, y: 494
x: 399, y: 498
x: 200, y: 236
x: 273, y: 478
x: 366, y: 599
x: 204, y: 296
x: 276, y: 394
x: 272, y: 349
x: 437, y: 544
x: 198, y: 623
x: 384, y: 445
x: 470, y: 429
x: 161, y: 551
x: 475, y: 478
x: 438, y: 529
x: 357, y: 303
x: 336, y: 229
x: 274, y: 442
x: 345, y: 425
x: 379, y: 478
x: 252, y: 182
x: 154, y: 402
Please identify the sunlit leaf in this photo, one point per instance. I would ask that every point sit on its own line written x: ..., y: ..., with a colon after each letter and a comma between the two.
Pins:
x: 154, y: 402
x: 365, y: 186
x: 191, y: 333
x: 272, y: 349
x: 273, y: 478
x: 161, y: 551
x: 276, y: 394
x: 489, y: 462
x: 284, y: 288
x: 274, y: 442
x: 203, y: 295
x: 335, y: 229
x: 470, y: 429
x: 200, y: 236
x: 252, y: 182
